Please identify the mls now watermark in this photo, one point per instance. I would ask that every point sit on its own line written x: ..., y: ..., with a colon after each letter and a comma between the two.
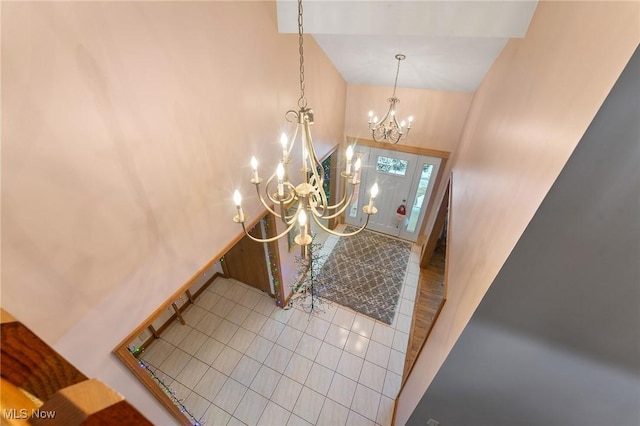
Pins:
x: 23, y: 413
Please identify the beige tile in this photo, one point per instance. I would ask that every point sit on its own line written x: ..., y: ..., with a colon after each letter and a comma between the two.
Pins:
x: 225, y: 331
x: 278, y: 358
x: 317, y: 328
x: 282, y: 315
x: 333, y: 414
x: 192, y: 342
x: 299, y: 320
x: 175, y: 333
x: 297, y: 421
x: 382, y: 334
x: 357, y: 344
x: 286, y: 393
x: 265, y: 381
x: 246, y: 370
x: 365, y: 402
x: 273, y: 415
x: 363, y: 325
x: 337, y: 336
x: 350, y: 365
x: 344, y: 318
x: 308, y: 346
x: 209, y: 351
x: 208, y: 323
x: 192, y: 373
x: 319, y: 379
x: 355, y: 419
x: 250, y: 299
x: 254, y: 322
x: 210, y: 384
x: 193, y: 314
x: 289, y: 338
x: 329, y: 356
x: 372, y: 376
x: 396, y: 362
x: 385, y: 411
x: 196, y: 405
x: 400, y: 341
x: 227, y: 360
x: 175, y: 362
x: 298, y: 368
x: 157, y: 352
x: 242, y: 340
x: 265, y: 305
x: 259, y: 349
x: 378, y: 354
x: 392, y: 384
x: 271, y: 329
x: 238, y: 314
x: 250, y: 408
x: 215, y: 416
x: 223, y: 307
x: 230, y: 395
x: 342, y: 390
x: 309, y: 405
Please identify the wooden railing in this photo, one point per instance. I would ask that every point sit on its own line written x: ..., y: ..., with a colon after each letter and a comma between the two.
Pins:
x: 40, y: 387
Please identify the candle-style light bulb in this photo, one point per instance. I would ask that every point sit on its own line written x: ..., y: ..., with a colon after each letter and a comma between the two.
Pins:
x: 302, y: 221
x: 349, y: 157
x: 254, y: 166
x: 374, y: 194
x: 284, y: 141
x: 402, y: 123
x: 410, y: 121
x: 280, y: 174
x: 356, y: 169
x: 393, y: 112
x: 370, y: 116
x: 375, y: 120
x: 237, y: 199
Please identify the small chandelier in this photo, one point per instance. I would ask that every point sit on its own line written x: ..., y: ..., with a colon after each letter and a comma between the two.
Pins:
x: 306, y: 201
x: 388, y: 129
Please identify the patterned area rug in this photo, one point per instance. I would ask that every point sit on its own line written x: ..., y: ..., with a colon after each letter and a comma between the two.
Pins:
x: 365, y: 273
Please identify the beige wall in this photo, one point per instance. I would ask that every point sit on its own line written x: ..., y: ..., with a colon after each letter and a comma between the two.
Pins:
x: 126, y: 128
x: 525, y: 120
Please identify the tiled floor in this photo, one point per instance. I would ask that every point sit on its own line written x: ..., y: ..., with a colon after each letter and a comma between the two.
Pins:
x: 241, y: 360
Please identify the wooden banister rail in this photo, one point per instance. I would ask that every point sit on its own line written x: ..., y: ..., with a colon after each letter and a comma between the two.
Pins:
x: 40, y: 387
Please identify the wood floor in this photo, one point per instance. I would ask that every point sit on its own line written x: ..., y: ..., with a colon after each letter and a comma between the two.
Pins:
x: 428, y: 302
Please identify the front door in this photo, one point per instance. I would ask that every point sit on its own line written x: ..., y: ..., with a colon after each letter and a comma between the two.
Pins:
x: 403, y: 179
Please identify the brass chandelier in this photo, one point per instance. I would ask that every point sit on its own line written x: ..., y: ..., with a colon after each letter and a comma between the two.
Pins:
x: 297, y: 204
x: 389, y: 129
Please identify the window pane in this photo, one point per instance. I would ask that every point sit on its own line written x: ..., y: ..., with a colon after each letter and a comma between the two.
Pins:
x: 419, y: 198
x: 393, y: 166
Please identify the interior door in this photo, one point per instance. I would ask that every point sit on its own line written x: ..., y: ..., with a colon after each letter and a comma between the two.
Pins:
x: 247, y: 262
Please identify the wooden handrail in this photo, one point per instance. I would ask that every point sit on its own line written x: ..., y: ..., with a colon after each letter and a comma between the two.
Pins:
x: 32, y: 372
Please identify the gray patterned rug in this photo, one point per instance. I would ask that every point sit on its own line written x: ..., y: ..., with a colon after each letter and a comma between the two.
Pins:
x: 365, y: 273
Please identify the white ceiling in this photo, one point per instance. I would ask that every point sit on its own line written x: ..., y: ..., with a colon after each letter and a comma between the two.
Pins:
x: 450, y: 45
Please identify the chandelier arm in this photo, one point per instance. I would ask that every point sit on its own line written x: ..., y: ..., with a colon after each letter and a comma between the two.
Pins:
x: 337, y: 213
x: 268, y: 240
x: 342, y: 205
x: 340, y: 234
x: 265, y: 204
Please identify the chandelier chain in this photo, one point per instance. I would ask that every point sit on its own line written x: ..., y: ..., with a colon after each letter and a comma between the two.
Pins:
x: 395, y: 83
x: 302, y: 102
